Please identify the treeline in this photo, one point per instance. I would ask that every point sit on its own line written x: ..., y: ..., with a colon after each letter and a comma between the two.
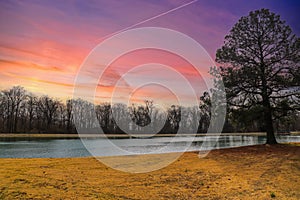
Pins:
x: 24, y: 112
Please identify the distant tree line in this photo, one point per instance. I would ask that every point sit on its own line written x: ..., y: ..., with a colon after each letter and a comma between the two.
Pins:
x: 24, y: 112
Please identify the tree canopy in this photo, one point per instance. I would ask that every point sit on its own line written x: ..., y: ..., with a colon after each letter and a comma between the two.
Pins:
x: 260, y: 66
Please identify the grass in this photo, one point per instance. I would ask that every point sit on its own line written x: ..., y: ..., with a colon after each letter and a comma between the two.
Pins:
x: 272, y: 195
x: 254, y: 172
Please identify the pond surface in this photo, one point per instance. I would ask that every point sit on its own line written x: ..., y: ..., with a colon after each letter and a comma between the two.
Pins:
x: 64, y: 148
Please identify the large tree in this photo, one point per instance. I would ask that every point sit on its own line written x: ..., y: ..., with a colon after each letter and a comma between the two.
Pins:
x: 260, y: 59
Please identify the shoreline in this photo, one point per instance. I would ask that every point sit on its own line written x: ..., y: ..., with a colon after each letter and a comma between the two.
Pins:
x: 118, y: 136
x: 38, y: 136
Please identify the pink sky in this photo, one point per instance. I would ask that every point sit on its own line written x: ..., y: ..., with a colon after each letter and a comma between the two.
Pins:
x: 43, y: 43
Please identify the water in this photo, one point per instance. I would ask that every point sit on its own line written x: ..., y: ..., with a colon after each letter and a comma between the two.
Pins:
x: 64, y: 148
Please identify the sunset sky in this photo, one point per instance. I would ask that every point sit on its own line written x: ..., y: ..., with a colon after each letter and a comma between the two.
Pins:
x: 43, y: 43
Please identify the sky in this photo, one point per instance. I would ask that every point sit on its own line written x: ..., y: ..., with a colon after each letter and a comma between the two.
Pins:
x: 44, y: 44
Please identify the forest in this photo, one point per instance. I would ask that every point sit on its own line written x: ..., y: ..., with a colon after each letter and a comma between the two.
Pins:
x: 24, y: 112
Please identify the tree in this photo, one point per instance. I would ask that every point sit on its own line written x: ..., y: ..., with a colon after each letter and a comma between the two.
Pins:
x: 69, y: 114
x: 247, y: 119
x: 121, y: 118
x: 103, y: 113
x: 62, y: 112
x: 141, y: 115
x: 173, y: 119
x: 48, y: 107
x: 205, y: 112
x: 31, y: 104
x: 3, y: 111
x: 260, y: 58
x: 14, y: 97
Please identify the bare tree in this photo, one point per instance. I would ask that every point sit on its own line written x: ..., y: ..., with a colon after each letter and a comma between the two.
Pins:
x: 103, y: 113
x: 141, y: 114
x: 31, y: 105
x: 69, y: 114
x: 14, y: 97
x: 3, y: 111
x: 83, y: 113
x: 48, y: 107
x: 62, y: 115
x: 174, y: 117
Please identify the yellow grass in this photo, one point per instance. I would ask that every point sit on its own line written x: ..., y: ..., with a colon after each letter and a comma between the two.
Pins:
x: 253, y: 172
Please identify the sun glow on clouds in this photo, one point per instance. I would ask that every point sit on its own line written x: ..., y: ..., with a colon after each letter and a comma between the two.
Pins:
x: 43, y: 43
x: 115, y: 76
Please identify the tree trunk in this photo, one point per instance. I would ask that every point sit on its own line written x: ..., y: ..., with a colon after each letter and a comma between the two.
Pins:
x: 267, y: 106
x: 16, y: 120
x: 49, y: 120
x: 268, y: 121
x: 30, y: 122
x: 269, y: 127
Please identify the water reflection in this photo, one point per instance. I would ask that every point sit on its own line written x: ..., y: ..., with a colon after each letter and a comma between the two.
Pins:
x: 61, y: 148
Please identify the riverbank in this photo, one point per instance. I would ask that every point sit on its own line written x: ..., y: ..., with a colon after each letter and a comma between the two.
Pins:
x: 7, y: 136
x: 120, y: 136
x: 253, y: 172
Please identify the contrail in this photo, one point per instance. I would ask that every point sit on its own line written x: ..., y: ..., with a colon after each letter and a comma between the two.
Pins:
x: 149, y: 19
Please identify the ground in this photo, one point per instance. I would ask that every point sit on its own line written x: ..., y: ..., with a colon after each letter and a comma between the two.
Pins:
x: 254, y: 172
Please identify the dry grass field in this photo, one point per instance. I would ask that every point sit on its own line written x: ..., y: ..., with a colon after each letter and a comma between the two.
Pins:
x: 254, y: 172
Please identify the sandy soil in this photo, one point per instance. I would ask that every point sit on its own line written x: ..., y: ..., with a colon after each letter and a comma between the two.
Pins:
x: 254, y: 172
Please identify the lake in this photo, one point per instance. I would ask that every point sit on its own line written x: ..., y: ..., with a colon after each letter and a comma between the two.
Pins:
x: 64, y: 148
